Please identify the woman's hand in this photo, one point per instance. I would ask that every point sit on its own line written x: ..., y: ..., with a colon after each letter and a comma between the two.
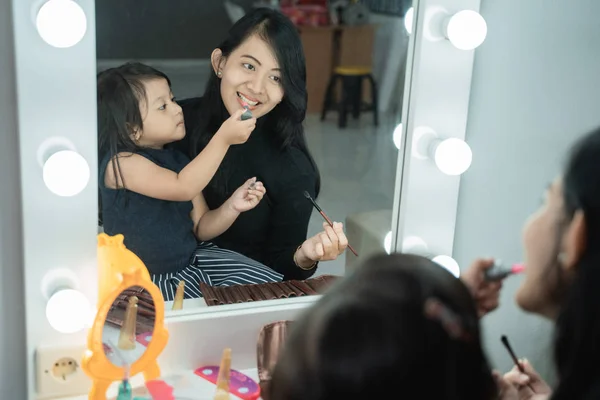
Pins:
x: 247, y: 196
x: 326, y: 245
x: 486, y: 294
x: 528, y: 385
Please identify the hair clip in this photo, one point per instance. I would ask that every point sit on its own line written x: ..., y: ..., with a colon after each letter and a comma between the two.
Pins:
x: 435, y: 310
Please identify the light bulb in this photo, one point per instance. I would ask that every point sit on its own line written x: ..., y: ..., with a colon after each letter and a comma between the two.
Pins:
x: 466, y: 30
x: 414, y: 244
x: 68, y: 311
x: 398, y: 136
x: 408, y: 19
x: 387, y: 242
x: 66, y: 173
x: 448, y: 263
x: 61, y: 23
x: 453, y: 156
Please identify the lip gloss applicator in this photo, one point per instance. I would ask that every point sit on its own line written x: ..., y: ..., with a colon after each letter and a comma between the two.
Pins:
x: 314, y: 203
x: 247, y: 114
x: 500, y: 271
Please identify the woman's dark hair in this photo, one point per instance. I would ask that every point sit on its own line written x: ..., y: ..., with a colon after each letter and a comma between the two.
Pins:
x: 369, y: 338
x: 577, y: 341
x: 120, y: 91
x: 284, y: 123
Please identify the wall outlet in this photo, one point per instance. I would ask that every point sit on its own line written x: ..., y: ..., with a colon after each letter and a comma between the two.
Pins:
x: 59, y: 373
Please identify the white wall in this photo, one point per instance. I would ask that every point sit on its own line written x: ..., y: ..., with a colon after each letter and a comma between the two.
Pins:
x: 535, y: 89
x: 13, y: 362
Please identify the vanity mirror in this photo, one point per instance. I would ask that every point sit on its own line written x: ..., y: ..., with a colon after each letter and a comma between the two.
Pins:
x: 128, y: 332
x: 221, y: 57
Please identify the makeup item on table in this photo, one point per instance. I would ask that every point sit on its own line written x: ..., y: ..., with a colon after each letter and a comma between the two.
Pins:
x: 178, y: 301
x: 128, y: 331
x: 125, y: 391
x: 240, y: 385
x: 314, y: 203
x: 270, y: 343
x: 247, y: 114
x: 504, y: 340
x: 222, y: 392
x: 499, y: 271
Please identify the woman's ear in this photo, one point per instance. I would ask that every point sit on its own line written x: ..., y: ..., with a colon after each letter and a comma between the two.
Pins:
x: 218, y: 62
x: 574, y: 242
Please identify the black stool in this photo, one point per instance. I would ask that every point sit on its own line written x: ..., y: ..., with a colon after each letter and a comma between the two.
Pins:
x: 352, y: 79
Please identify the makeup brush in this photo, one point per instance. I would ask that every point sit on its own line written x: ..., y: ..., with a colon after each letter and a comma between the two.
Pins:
x: 504, y: 340
x: 314, y: 203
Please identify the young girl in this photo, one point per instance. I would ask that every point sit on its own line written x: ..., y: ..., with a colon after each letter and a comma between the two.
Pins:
x: 152, y: 195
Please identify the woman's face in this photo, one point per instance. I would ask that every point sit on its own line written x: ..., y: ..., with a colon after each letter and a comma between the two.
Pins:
x: 250, y: 75
x: 552, y: 246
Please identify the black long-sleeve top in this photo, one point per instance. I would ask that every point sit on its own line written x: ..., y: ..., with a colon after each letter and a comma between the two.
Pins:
x: 271, y: 232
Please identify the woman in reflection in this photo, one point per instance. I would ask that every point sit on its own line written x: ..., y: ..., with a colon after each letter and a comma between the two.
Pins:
x: 261, y: 65
x: 152, y: 195
x: 562, y: 281
x: 399, y: 327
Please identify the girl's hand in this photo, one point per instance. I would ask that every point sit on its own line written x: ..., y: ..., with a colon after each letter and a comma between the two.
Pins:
x: 247, y: 196
x: 327, y: 245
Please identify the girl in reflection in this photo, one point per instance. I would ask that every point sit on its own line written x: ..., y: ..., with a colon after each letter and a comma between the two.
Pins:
x: 261, y: 65
x: 399, y: 327
x: 562, y: 281
x: 152, y: 195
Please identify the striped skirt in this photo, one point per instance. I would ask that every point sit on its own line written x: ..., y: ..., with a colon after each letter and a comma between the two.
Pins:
x: 215, y: 267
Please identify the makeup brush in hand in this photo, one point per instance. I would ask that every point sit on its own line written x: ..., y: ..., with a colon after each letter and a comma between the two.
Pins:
x: 314, y: 203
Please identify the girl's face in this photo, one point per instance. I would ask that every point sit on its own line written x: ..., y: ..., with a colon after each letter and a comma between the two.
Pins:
x: 250, y: 75
x: 553, y: 245
x: 162, y: 117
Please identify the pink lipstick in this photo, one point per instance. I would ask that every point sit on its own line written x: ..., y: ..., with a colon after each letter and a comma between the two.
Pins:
x: 499, y: 271
x: 247, y: 114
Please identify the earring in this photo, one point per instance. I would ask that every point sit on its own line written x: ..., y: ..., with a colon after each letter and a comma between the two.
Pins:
x: 562, y: 258
x: 219, y: 74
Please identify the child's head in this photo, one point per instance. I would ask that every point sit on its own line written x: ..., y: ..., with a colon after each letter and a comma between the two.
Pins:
x: 400, y: 326
x: 136, y: 109
x: 562, y: 254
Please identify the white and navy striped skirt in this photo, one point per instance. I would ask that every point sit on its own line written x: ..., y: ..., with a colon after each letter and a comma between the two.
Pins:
x: 215, y: 267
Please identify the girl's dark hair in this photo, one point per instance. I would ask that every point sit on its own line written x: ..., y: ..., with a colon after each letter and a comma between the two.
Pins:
x: 284, y: 122
x: 120, y: 91
x: 369, y: 337
x: 577, y: 342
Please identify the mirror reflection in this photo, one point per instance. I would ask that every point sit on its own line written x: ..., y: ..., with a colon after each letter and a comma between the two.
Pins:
x: 250, y: 143
x: 128, y: 328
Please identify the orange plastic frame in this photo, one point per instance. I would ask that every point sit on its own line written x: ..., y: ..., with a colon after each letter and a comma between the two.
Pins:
x: 119, y: 269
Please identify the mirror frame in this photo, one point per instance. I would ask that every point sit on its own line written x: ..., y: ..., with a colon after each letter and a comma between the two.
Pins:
x: 120, y: 269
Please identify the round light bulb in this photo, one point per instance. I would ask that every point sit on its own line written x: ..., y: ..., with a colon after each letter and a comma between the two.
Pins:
x: 466, y: 30
x: 408, y: 20
x: 61, y: 23
x: 414, y: 244
x: 448, y: 263
x: 68, y: 311
x: 453, y: 156
x: 387, y: 242
x: 66, y: 173
x: 398, y: 136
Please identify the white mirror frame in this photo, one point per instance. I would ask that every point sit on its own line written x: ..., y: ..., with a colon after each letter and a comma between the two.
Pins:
x: 57, y: 99
x: 437, y: 97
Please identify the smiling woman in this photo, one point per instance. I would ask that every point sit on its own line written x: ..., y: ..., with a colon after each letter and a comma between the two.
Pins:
x: 260, y: 65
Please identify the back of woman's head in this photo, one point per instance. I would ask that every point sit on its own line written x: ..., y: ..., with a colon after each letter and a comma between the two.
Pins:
x: 577, y: 349
x: 400, y: 326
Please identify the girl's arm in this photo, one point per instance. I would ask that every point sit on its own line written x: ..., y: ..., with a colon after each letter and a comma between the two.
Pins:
x: 142, y: 176
x: 209, y: 224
